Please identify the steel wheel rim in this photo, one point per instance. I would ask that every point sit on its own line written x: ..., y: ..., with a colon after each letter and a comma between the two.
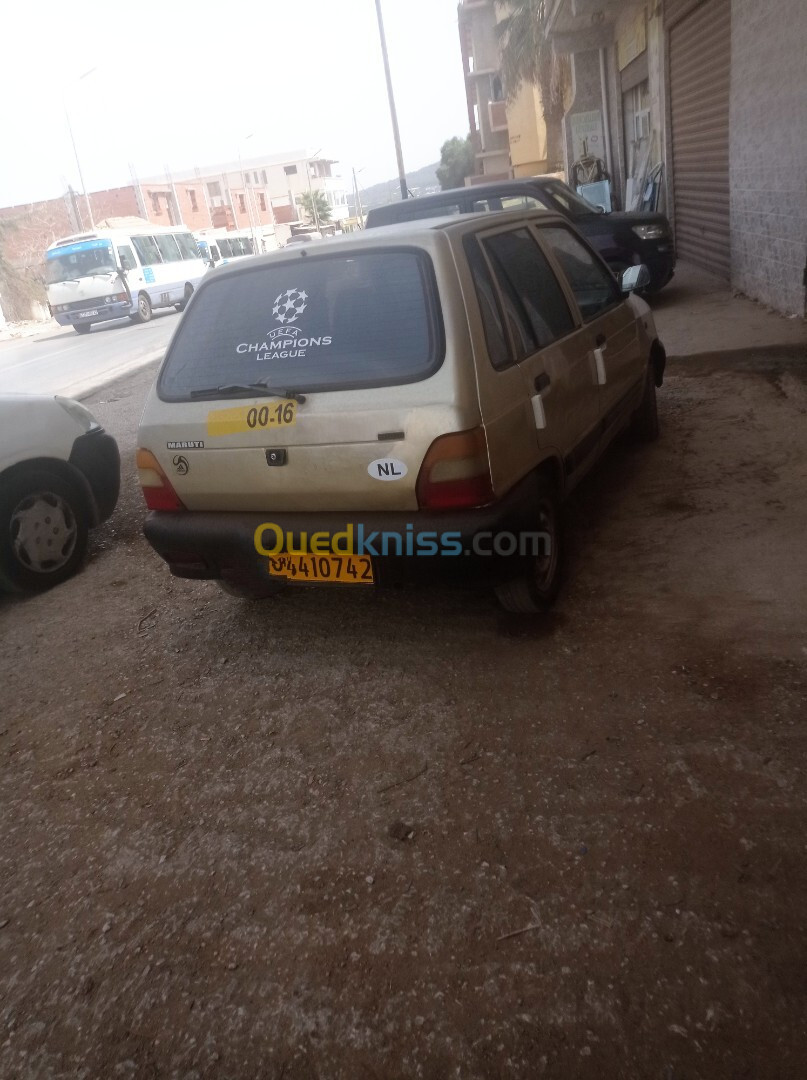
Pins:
x: 545, y: 563
x: 144, y: 306
x: 44, y: 532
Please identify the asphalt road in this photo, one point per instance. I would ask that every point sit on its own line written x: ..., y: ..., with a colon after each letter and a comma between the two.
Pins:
x: 65, y: 363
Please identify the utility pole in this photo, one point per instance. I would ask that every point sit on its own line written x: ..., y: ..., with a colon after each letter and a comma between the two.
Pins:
x: 393, y: 114
x: 78, y: 166
x: 357, y: 195
x: 75, y: 152
x: 314, y: 211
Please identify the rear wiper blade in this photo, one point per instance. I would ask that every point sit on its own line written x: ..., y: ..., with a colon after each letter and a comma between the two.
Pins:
x: 255, y: 389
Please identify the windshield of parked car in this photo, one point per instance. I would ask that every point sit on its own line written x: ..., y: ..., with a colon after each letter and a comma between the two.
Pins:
x: 567, y: 201
x: 313, y: 323
x: 89, y: 258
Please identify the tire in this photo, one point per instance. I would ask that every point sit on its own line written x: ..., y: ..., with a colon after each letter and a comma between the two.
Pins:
x: 43, y: 531
x: 535, y: 591
x: 184, y: 303
x: 645, y: 425
x: 143, y: 313
x: 82, y: 328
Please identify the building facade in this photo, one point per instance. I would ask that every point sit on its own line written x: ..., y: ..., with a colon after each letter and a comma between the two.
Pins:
x: 508, y: 137
x: 259, y: 193
x: 256, y: 194
x: 702, y: 105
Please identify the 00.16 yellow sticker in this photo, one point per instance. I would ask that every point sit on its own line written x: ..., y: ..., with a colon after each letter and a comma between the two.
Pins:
x: 252, y: 418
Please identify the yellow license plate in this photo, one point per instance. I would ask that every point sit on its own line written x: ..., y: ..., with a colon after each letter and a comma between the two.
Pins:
x: 316, y: 569
x: 275, y: 414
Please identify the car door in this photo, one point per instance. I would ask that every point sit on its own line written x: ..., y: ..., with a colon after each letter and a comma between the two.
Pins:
x: 612, y: 333
x: 550, y: 346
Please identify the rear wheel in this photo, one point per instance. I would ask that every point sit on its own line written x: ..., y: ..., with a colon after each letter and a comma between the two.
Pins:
x: 143, y: 313
x: 184, y: 303
x: 645, y: 426
x: 43, y: 531
x: 535, y: 591
x: 82, y: 328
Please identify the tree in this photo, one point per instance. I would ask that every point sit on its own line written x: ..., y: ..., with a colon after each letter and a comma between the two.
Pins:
x: 529, y: 57
x: 316, y: 209
x: 456, y: 162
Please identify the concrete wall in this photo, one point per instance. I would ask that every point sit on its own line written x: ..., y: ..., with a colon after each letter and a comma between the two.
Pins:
x: 586, y: 95
x: 32, y: 227
x: 768, y: 151
x: 527, y: 133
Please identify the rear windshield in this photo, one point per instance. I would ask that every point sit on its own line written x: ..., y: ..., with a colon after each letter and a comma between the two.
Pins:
x: 317, y: 323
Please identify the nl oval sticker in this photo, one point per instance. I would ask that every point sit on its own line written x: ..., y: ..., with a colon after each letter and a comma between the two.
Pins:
x: 387, y: 468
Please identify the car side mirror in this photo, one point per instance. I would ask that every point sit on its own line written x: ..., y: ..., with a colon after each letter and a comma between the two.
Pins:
x: 635, y: 277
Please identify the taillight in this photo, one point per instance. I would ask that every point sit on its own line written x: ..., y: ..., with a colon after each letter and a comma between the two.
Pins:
x: 455, y: 472
x: 157, y: 489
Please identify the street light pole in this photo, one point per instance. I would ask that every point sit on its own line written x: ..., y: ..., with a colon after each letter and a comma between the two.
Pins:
x: 393, y: 113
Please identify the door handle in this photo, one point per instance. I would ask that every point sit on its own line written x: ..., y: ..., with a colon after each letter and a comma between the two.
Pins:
x: 542, y: 381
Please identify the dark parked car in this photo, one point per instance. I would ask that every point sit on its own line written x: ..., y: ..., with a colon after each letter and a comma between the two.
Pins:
x: 622, y: 238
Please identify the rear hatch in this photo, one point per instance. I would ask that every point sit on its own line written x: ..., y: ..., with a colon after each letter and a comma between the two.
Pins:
x: 351, y: 346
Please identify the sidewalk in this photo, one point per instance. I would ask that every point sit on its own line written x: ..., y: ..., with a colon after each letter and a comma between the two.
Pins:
x: 698, y: 316
x: 19, y: 330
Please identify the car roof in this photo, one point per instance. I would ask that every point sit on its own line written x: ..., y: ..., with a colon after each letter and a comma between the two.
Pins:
x: 495, y: 187
x: 418, y: 233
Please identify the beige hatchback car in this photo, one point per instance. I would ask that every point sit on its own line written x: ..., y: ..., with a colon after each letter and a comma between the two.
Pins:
x: 416, y: 400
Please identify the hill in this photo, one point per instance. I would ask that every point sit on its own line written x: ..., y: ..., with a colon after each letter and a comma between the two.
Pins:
x: 421, y: 182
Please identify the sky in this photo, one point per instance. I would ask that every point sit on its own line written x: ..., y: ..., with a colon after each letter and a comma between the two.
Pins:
x: 187, y: 82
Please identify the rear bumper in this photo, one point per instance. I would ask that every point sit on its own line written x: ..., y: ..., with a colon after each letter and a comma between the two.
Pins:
x: 96, y: 456
x: 212, y: 545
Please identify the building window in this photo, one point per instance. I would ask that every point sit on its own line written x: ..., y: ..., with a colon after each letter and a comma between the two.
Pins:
x: 496, y: 89
x: 262, y: 200
x: 192, y: 197
x: 290, y: 170
x: 214, y: 189
x: 255, y: 176
x: 263, y: 174
x: 242, y: 206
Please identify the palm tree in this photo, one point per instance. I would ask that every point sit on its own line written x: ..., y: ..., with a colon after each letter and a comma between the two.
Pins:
x: 316, y: 209
x: 527, y: 56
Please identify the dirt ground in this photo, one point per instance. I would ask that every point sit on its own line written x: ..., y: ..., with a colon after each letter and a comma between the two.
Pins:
x: 347, y: 834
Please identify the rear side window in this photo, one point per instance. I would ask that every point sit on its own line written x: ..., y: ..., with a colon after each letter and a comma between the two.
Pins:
x: 187, y: 246
x: 169, y: 249
x: 332, y: 323
x: 537, y: 309
x: 413, y: 212
x: 507, y: 202
x: 495, y: 334
x: 147, y: 250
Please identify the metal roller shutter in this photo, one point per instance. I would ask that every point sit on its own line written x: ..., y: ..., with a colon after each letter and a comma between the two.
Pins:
x: 700, y: 63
